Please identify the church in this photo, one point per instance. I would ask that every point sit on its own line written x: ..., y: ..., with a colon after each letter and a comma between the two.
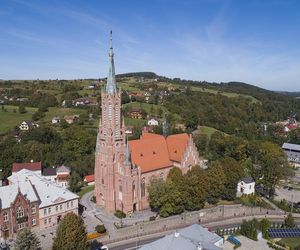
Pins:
x: 123, y: 169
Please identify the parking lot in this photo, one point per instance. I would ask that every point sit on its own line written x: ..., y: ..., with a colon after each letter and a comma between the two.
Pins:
x: 289, y: 195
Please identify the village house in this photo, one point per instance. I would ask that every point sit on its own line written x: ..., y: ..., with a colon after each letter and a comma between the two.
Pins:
x: 153, y: 121
x: 136, y: 113
x: 89, y: 179
x: 71, y: 118
x: 245, y: 187
x: 129, y: 130
x: 55, y: 120
x: 27, y: 125
x: 35, y: 167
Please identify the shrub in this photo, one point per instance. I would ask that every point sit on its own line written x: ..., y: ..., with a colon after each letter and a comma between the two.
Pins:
x: 152, y: 218
x: 100, y: 228
x: 120, y: 214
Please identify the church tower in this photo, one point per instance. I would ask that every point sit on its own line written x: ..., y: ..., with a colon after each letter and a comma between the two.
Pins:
x: 112, y: 164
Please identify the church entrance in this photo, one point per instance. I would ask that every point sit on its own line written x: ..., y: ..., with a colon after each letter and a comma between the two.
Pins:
x: 134, y: 207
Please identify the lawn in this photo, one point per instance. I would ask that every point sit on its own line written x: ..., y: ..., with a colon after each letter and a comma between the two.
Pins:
x: 292, y: 242
x: 10, y: 119
x: 85, y: 190
x: 61, y: 112
x: 206, y: 130
x: 134, y: 122
x: 145, y: 106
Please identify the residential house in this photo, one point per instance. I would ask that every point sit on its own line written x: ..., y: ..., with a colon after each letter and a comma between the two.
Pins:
x: 153, y: 121
x: 136, y: 113
x: 71, y: 118
x: 26, y: 125
x: 89, y: 179
x: 55, y: 120
x: 62, y: 176
x: 245, y: 187
x: 129, y: 130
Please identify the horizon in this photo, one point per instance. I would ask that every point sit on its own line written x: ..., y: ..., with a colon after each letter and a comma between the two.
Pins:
x: 209, y: 40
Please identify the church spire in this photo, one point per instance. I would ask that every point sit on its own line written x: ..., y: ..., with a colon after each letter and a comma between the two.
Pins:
x: 111, y: 79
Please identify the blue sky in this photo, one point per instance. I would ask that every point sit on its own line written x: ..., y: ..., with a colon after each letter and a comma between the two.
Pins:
x: 255, y: 41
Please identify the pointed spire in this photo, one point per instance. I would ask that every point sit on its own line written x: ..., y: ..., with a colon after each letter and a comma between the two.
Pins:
x: 111, y: 79
x: 165, y: 125
x: 127, y: 153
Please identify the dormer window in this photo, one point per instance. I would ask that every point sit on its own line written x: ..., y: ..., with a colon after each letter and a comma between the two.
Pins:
x: 154, y: 152
x: 141, y: 155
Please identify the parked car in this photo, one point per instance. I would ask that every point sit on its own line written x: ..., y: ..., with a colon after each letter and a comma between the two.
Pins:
x: 290, y: 188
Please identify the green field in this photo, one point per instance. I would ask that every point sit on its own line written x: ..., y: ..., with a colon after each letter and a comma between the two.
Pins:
x: 134, y: 122
x: 61, y: 112
x: 85, y: 190
x: 206, y: 130
x: 145, y: 106
x: 10, y: 119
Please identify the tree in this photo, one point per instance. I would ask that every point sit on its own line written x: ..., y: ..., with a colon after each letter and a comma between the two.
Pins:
x: 264, y: 225
x: 70, y: 234
x: 22, y: 109
x: 234, y: 172
x: 289, y: 221
x: 27, y: 240
x: 75, y: 182
x: 216, y: 181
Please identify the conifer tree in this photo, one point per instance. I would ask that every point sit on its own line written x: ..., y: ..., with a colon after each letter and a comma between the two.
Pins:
x: 27, y: 240
x: 70, y: 234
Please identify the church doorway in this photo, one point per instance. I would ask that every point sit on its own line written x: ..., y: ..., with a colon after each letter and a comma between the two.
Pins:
x: 134, y: 207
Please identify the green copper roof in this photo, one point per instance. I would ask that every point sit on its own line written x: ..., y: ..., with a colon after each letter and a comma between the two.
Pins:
x: 111, y: 79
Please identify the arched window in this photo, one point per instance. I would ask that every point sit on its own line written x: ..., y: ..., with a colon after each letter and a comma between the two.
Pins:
x: 143, y: 187
x: 20, y: 212
x: 5, y: 216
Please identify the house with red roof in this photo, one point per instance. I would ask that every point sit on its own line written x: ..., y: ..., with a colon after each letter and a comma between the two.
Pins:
x: 89, y: 179
x: 32, y: 166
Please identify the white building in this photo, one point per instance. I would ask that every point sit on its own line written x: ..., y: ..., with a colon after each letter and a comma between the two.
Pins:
x: 152, y: 122
x: 292, y: 152
x: 55, y: 120
x: 245, y: 186
x: 55, y: 201
x: 26, y: 125
x: 62, y: 176
x: 190, y: 238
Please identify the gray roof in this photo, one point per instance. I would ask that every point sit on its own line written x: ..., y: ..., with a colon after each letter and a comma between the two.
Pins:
x: 48, y: 192
x: 189, y: 238
x: 8, y: 193
x: 248, y: 179
x: 49, y: 171
x: 290, y: 146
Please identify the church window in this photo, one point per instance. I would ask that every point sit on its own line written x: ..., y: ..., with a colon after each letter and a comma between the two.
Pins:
x: 5, y: 216
x: 20, y: 212
x: 33, y: 209
x: 120, y: 188
x: 143, y: 187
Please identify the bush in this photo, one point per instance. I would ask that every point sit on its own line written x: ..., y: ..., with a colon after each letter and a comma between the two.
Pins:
x: 100, y: 229
x: 152, y: 218
x: 120, y: 214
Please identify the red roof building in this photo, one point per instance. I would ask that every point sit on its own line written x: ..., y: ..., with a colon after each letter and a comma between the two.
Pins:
x: 33, y: 166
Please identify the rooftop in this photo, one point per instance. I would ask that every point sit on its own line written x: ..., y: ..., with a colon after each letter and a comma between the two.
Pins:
x: 290, y: 146
x: 49, y: 192
x: 9, y: 193
x: 189, y: 238
x: 33, y: 166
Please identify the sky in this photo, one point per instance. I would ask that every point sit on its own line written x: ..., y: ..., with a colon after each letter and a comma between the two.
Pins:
x: 253, y: 41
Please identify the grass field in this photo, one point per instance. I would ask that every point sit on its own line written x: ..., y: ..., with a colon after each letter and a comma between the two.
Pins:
x: 61, y: 112
x: 10, y: 119
x: 144, y: 106
x: 292, y: 242
x: 206, y: 130
x: 134, y: 122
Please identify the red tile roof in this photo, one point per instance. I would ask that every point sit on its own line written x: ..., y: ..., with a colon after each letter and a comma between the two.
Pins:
x: 150, y: 152
x: 176, y: 146
x: 33, y: 166
x: 89, y: 178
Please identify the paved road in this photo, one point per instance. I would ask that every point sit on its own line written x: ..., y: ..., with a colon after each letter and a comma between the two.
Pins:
x: 132, y: 243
